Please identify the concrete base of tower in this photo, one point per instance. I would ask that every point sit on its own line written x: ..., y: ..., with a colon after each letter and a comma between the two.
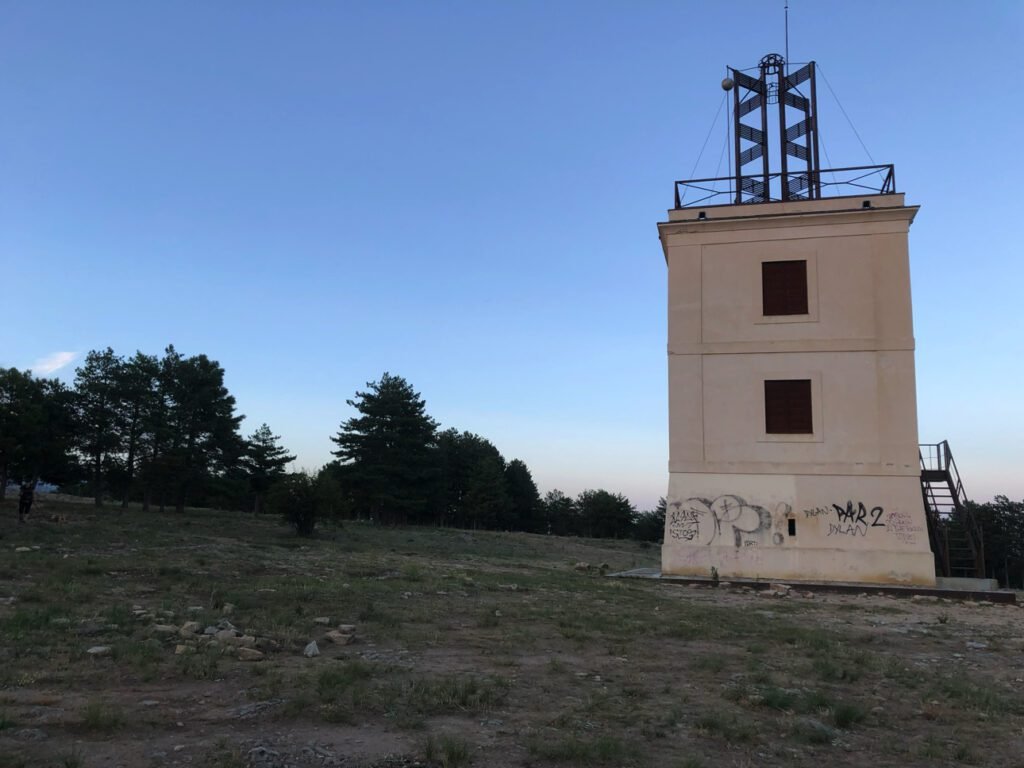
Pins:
x: 848, y: 528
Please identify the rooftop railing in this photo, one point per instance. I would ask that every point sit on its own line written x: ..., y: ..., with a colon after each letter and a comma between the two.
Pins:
x: 788, y: 187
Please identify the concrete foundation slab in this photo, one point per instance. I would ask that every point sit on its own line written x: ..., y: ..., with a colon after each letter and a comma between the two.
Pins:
x: 965, y: 589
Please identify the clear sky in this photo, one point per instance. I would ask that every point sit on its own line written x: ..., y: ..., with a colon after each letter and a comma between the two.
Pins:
x: 465, y: 193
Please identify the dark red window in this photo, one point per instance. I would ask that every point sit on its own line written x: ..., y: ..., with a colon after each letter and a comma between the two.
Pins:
x: 787, y: 407
x: 784, y: 287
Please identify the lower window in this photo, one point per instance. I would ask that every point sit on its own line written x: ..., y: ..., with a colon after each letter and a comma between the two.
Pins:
x: 787, y: 407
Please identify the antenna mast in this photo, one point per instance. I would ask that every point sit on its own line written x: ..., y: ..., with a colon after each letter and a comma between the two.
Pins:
x: 787, y: 37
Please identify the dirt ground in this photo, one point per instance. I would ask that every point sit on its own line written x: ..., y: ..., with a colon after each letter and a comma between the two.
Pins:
x: 133, y: 639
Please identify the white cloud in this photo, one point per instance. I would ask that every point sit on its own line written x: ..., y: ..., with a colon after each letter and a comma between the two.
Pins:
x: 44, y: 366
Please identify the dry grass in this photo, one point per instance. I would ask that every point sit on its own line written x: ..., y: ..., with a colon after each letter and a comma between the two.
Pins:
x: 481, y: 649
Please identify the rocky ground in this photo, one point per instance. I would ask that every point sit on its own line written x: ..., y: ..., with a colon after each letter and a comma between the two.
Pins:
x: 216, y: 639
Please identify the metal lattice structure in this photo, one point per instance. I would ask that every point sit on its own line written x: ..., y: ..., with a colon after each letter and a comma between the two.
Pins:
x: 799, y: 175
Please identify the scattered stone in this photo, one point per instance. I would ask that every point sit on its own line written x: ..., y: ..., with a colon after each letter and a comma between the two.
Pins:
x: 779, y: 587
x: 225, y: 635
x: 582, y: 566
x: 23, y: 549
x: 178, y: 747
x: 165, y: 629
x: 100, y: 650
x: 924, y: 599
x: 976, y: 645
x: 190, y: 628
x: 194, y: 609
x: 267, y: 644
x: 251, y: 710
x: 347, y: 629
x: 311, y: 650
x: 249, y: 654
x: 210, y: 631
x: 181, y: 650
x: 324, y: 620
x: 30, y: 734
x: 228, y: 608
x: 225, y: 624
x: 261, y: 754
x: 809, y: 595
x: 338, y: 638
x: 149, y: 703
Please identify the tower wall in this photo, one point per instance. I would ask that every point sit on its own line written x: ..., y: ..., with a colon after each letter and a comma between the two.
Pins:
x: 842, y: 499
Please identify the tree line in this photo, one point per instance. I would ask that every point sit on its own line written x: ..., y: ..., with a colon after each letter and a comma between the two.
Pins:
x: 164, y: 431
x: 160, y: 430
x: 395, y: 466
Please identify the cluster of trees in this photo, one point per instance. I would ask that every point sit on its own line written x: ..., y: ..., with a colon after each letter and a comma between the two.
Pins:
x: 395, y: 466
x: 160, y: 430
x: 164, y: 431
x: 1002, y: 529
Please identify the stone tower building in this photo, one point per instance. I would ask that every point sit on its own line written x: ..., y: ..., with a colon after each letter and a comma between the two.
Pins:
x: 792, y: 404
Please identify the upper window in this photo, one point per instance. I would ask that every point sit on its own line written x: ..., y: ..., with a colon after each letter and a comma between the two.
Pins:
x: 784, y: 287
x: 787, y: 407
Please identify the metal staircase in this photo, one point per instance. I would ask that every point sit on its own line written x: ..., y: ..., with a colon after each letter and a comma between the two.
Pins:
x: 953, y: 530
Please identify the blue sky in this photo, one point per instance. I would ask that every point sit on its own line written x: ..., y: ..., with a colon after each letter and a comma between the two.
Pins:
x: 466, y: 193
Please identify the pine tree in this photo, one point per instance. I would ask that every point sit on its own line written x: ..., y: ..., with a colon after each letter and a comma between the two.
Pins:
x: 137, y: 395
x: 97, y: 413
x: 386, y: 451
x: 524, y: 499
x: 265, y: 461
x: 202, y: 424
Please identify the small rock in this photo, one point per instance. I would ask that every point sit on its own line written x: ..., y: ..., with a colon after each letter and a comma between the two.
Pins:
x: 30, y: 734
x: 225, y: 624
x: 194, y: 609
x: 225, y: 635
x: 324, y: 620
x: 779, y: 587
x: 267, y: 644
x: 210, y: 631
x: 23, y: 549
x: 249, y: 654
x: 338, y: 638
x: 181, y: 650
x: 976, y: 645
x: 228, y: 608
x: 311, y: 650
x: 165, y: 629
x: 100, y: 650
x: 582, y: 566
x: 190, y: 628
x: 347, y: 629
x: 149, y: 703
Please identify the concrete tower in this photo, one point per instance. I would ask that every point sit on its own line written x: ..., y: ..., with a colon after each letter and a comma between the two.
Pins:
x: 792, y: 405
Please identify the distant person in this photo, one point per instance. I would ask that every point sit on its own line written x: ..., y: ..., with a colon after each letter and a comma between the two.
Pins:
x: 25, y: 499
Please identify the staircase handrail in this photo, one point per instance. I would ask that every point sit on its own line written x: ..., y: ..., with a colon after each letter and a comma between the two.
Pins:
x: 964, y: 510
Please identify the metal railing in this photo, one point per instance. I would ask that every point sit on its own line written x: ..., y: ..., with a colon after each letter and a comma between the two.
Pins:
x: 791, y: 186
x: 947, y: 505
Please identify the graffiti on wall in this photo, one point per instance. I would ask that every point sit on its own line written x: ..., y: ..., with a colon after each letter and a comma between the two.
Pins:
x: 855, y: 519
x: 727, y: 518
x: 903, y: 527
